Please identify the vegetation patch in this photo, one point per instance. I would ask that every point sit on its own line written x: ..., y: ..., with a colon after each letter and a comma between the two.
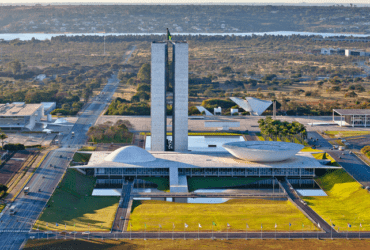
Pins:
x: 326, y: 156
x: 236, y: 212
x: 163, y: 183
x: 366, y: 151
x: 195, y: 183
x: 343, y: 134
x: 167, y: 244
x: 87, y: 148
x: 81, y: 157
x: 108, y: 132
x: 347, y: 201
x: 73, y: 207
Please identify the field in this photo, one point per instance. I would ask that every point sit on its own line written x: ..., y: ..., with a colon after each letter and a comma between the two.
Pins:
x: 236, y: 212
x: 347, y: 201
x: 323, y: 156
x: 195, y: 183
x: 80, y: 157
x: 343, y: 134
x: 352, y: 244
x: 72, y: 205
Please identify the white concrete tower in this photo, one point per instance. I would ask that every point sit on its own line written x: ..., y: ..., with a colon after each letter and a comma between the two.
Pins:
x: 180, y: 96
x: 158, y: 96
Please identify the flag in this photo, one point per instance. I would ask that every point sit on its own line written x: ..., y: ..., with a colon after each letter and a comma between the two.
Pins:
x: 169, y: 37
x: 145, y: 225
x: 199, y: 225
x: 228, y: 225
x: 186, y: 225
x: 213, y: 223
x: 74, y: 225
x: 332, y: 224
x: 247, y: 226
x: 349, y: 225
x: 173, y: 225
x: 302, y: 225
x: 56, y: 224
x: 160, y: 226
x: 360, y: 225
x: 290, y: 224
x: 101, y: 226
x: 261, y: 226
x: 275, y: 225
x: 318, y: 224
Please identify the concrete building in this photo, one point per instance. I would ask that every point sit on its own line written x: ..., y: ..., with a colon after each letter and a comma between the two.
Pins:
x: 253, y: 105
x: 113, y: 167
x: 48, y: 107
x: 20, y: 116
x: 352, y: 117
x: 160, y: 81
x: 349, y: 52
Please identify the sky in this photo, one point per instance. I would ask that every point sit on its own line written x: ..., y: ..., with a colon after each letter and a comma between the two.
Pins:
x: 311, y: 2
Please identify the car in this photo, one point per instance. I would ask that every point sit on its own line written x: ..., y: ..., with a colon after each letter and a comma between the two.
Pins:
x: 122, y: 217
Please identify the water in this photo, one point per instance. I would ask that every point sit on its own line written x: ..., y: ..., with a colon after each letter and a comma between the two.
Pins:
x: 201, y: 143
x: 44, y: 36
x: 306, y: 187
x: 311, y: 192
x: 107, y: 192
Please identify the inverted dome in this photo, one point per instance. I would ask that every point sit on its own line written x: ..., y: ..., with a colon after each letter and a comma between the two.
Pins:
x: 263, y: 151
x: 130, y: 154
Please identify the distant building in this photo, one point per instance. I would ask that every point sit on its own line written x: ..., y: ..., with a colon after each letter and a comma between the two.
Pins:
x: 349, y: 52
x: 20, y: 116
x: 48, y: 107
x: 252, y: 105
x: 331, y: 51
x: 352, y: 117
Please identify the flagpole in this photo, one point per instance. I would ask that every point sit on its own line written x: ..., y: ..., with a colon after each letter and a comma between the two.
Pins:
x: 227, y: 234
x: 184, y: 232
x: 159, y: 232
x: 212, y: 230
x: 289, y: 231
x: 173, y: 229
x: 275, y: 231
x: 261, y: 231
x: 198, y: 232
x: 246, y: 232
x: 331, y: 230
x: 130, y: 230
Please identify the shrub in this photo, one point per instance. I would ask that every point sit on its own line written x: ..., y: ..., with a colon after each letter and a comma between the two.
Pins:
x: 14, y: 147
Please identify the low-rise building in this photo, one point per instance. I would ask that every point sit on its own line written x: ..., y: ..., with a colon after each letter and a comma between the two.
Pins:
x: 352, y: 117
x: 20, y: 116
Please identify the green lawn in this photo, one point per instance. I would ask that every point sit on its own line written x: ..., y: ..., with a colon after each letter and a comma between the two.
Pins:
x: 162, y: 182
x: 342, y: 134
x: 195, y: 183
x: 2, y: 206
x: 309, y: 149
x: 321, y: 156
x: 236, y: 212
x: 81, y: 157
x: 73, y: 204
x: 347, y: 201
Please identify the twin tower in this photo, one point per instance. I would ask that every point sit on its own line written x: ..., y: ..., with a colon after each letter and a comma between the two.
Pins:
x: 167, y: 77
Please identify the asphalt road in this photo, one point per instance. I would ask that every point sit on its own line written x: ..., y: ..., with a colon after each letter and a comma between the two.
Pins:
x: 350, y: 162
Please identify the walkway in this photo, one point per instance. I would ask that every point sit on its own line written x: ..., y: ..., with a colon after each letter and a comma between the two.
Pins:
x: 312, y: 215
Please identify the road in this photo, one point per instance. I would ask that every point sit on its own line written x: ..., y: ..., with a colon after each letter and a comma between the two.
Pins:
x: 350, y: 162
x: 14, y: 229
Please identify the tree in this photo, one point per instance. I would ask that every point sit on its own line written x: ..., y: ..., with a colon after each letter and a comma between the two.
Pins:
x: 15, y: 66
x: 144, y: 73
x: 2, y: 138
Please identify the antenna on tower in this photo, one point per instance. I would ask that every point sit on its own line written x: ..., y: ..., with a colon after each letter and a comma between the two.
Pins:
x: 104, y: 44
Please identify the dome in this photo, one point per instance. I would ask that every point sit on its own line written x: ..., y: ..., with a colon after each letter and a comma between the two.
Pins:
x: 130, y: 154
x: 263, y: 151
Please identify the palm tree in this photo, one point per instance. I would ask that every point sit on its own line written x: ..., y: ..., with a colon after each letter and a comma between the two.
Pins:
x: 2, y: 138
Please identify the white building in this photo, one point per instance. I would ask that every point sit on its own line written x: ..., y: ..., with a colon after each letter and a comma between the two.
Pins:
x: 20, y: 116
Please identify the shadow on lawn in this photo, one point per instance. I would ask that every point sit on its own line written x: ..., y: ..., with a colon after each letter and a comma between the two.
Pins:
x: 77, y: 244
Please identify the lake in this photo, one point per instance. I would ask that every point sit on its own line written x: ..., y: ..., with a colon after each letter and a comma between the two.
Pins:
x: 44, y: 36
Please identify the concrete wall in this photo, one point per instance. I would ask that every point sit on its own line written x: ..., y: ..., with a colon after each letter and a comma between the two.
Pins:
x: 180, y: 96
x: 158, y: 96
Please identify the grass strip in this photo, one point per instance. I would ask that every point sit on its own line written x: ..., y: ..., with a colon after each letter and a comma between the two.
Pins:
x: 347, y: 201
x: 72, y: 206
x: 236, y: 212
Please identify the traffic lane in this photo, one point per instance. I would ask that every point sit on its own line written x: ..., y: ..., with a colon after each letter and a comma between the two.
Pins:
x: 353, y: 166
x: 318, y: 140
x: 15, y: 241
